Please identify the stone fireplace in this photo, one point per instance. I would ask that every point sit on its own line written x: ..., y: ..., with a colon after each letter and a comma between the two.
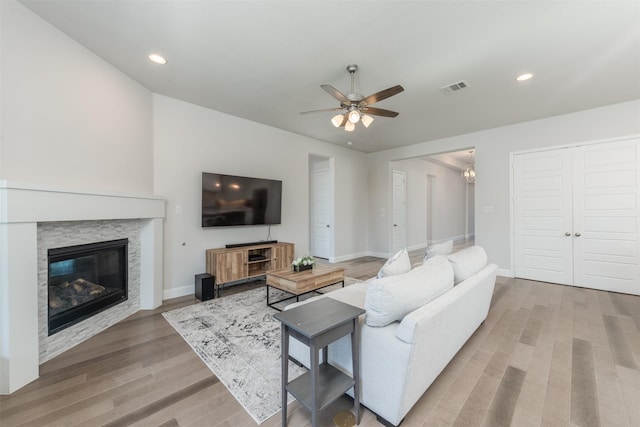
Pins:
x: 84, y: 280
x: 37, y: 230
x: 68, y: 236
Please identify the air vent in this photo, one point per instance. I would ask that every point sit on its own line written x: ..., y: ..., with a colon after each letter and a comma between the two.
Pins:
x: 449, y: 89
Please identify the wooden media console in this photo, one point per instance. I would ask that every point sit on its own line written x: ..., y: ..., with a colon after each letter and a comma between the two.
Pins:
x: 244, y: 262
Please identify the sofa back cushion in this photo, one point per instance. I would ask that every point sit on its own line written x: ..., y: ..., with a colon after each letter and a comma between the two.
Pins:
x: 399, y: 263
x: 467, y: 262
x: 442, y: 248
x: 391, y: 298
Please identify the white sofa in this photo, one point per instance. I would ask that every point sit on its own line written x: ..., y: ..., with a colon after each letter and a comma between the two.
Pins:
x: 401, y: 360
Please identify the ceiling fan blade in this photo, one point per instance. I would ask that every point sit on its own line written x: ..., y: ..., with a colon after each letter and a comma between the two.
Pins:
x: 322, y: 111
x: 383, y: 94
x: 335, y: 93
x: 380, y: 112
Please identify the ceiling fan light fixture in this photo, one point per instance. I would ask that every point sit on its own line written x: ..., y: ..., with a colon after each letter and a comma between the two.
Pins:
x: 337, y: 120
x: 367, y: 120
x: 354, y: 105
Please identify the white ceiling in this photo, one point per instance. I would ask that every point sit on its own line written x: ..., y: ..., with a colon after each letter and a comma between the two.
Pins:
x: 265, y: 60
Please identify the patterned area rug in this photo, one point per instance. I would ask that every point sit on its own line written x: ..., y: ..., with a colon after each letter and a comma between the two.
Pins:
x: 239, y: 340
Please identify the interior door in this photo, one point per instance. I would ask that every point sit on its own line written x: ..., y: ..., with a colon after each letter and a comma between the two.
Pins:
x: 576, y: 216
x: 605, y: 229
x: 543, y: 216
x: 322, y: 207
x: 399, y: 210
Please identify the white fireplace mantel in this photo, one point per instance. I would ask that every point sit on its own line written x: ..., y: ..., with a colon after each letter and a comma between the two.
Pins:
x: 22, y: 207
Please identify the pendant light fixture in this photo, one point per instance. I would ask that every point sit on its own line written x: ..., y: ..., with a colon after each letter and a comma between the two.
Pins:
x: 469, y: 173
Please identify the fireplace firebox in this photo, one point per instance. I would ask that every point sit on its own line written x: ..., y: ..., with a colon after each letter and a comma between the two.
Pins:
x: 84, y: 280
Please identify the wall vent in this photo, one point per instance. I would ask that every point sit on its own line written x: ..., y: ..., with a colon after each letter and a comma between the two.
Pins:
x: 449, y: 89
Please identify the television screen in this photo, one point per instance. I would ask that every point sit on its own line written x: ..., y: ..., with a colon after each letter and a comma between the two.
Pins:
x: 239, y: 200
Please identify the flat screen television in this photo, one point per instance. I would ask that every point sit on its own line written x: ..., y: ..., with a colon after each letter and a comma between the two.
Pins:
x: 229, y: 200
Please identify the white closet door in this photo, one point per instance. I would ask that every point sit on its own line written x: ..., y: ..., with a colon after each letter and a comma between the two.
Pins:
x: 399, y: 210
x: 322, y: 208
x: 606, y: 220
x: 543, y: 216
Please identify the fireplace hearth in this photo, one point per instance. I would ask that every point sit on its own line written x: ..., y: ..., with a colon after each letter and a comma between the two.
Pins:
x: 84, y: 280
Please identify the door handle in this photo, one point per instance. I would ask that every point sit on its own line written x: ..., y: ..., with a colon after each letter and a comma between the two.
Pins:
x: 578, y: 234
x: 328, y: 225
x: 567, y: 234
x: 395, y: 225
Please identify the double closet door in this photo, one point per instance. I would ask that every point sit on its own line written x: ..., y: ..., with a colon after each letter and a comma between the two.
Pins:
x: 576, y: 216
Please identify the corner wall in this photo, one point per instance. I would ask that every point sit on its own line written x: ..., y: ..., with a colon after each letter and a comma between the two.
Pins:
x: 190, y: 139
x: 68, y: 119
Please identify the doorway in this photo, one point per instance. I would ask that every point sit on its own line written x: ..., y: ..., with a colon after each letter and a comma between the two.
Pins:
x: 431, y: 185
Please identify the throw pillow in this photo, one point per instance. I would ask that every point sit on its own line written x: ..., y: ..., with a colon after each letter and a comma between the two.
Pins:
x: 399, y: 263
x: 442, y: 248
x: 391, y: 298
x: 467, y: 262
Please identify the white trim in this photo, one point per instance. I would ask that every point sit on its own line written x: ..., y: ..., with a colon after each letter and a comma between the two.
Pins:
x: 22, y: 203
x: 178, y: 292
x: 348, y: 257
x: 379, y: 254
x: 504, y: 272
x: 419, y: 246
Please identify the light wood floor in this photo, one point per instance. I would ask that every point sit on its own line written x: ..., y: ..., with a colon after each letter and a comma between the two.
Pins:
x: 547, y: 355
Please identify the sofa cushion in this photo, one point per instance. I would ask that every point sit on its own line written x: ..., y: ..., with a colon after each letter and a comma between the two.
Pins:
x: 353, y: 295
x: 467, y: 262
x: 442, y: 248
x: 399, y: 263
x: 391, y: 298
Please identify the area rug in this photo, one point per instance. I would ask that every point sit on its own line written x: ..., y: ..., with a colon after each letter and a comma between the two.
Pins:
x: 237, y: 337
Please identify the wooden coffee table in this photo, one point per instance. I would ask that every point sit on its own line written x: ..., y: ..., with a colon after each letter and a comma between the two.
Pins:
x: 303, y: 282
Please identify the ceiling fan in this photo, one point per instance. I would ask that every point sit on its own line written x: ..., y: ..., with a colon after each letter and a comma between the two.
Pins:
x: 355, y: 106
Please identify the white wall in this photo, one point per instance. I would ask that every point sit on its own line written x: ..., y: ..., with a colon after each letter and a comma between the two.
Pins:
x: 68, y: 118
x: 492, y: 207
x: 448, y: 198
x: 471, y: 210
x: 189, y: 139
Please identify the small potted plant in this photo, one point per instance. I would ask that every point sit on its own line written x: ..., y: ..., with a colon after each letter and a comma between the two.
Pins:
x: 303, y: 263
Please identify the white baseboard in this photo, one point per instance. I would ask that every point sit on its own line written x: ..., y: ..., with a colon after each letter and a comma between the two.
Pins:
x: 505, y: 272
x: 379, y: 254
x: 178, y: 292
x: 416, y: 247
x: 348, y: 257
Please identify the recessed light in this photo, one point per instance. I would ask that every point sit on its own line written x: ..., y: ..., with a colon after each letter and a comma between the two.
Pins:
x: 524, y: 77
x: 349, y: 143
x: 158, y: 59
